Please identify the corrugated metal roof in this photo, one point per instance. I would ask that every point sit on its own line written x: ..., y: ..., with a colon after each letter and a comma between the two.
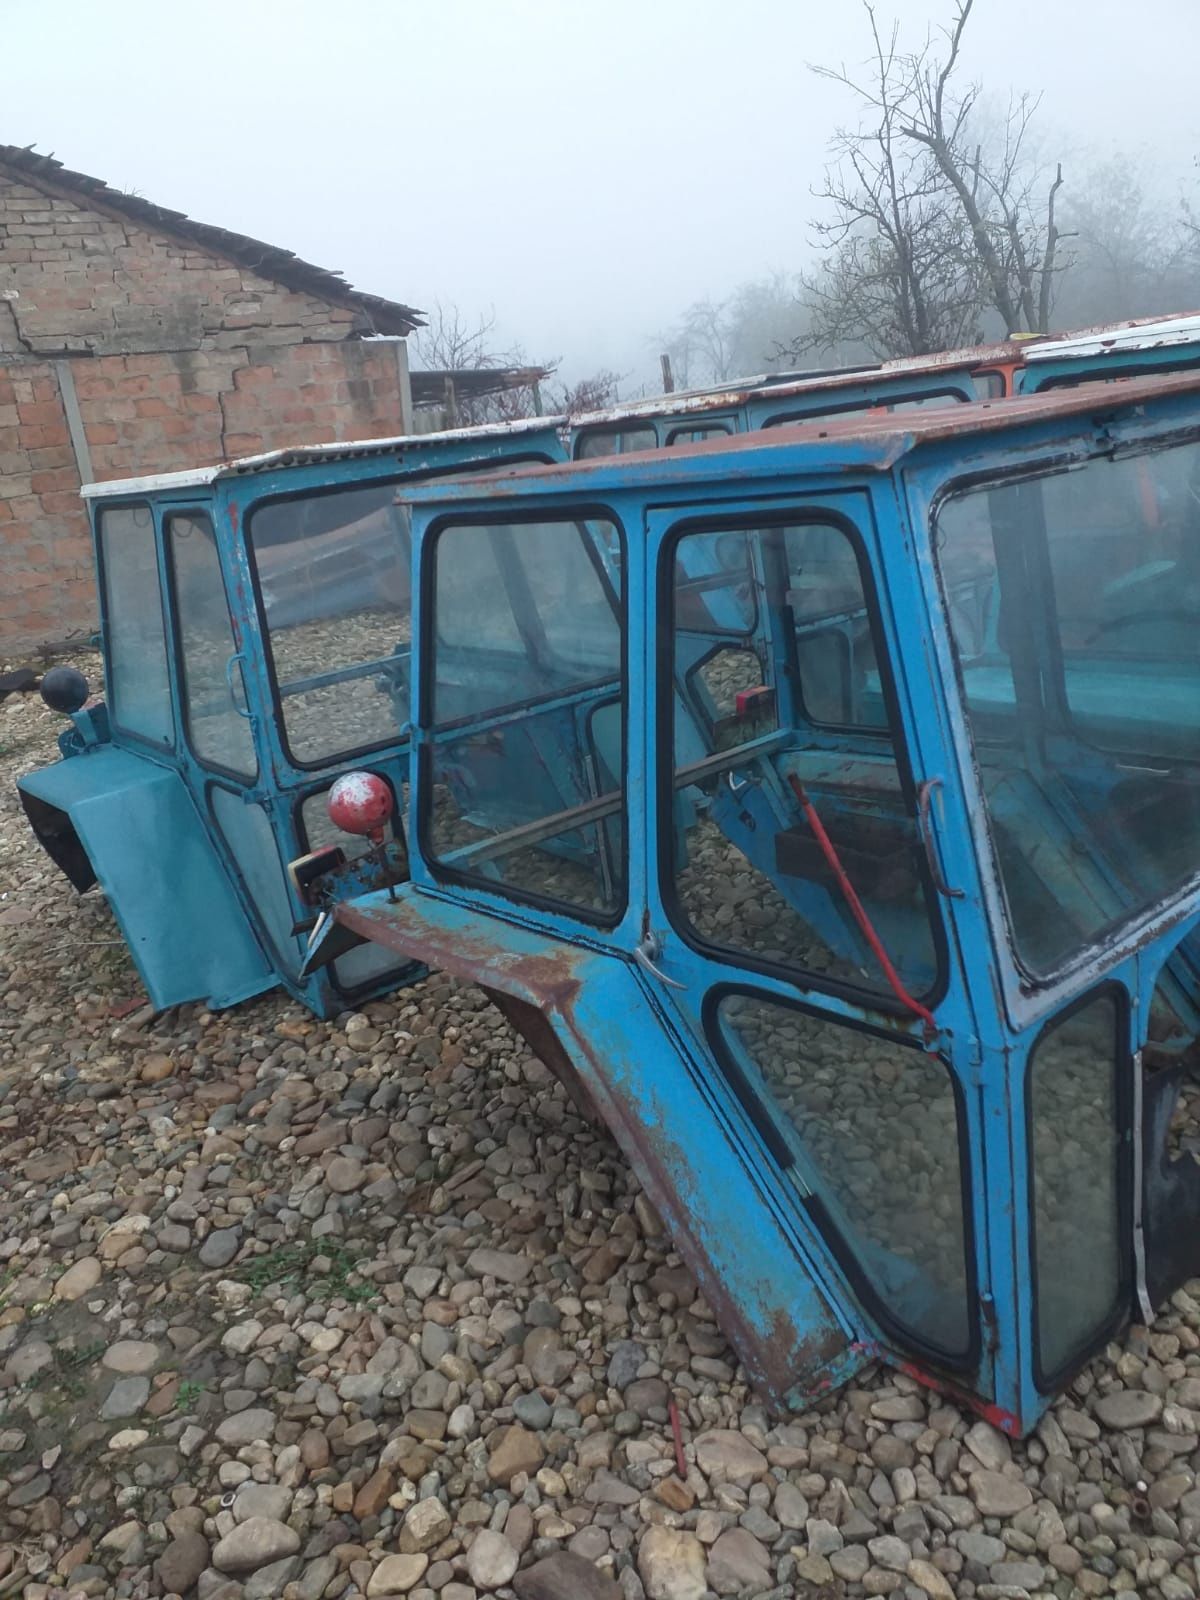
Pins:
x: 268, y: 260
x: 309, y: 455
x: 1153, y: 334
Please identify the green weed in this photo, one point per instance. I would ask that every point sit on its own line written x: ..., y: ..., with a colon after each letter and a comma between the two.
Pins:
x: 291, y: 1267
x: 188, y: 1393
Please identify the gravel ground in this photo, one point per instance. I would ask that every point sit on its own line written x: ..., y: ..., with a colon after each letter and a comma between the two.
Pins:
x: 362, y: 1309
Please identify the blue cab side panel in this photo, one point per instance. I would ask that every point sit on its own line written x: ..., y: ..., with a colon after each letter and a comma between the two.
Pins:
x: 643, y: 1078
x: 156, y: 864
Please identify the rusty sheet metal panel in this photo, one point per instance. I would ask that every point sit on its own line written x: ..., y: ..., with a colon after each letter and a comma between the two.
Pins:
x: 651, y: 1092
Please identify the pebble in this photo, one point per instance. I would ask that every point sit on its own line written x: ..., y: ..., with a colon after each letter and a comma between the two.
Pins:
x: 491, y: 1560
x: 671, y: 1564
x: 502, y: 1264
x: 245, y: 1427
x: 78, y: 1280
x: 998, y: 1496
x: 257, y: 1542
x: 514, y: 1450
x: 426, y: 1524
x: 132, y: 1356
x: 182, y: 1562
x: 344, y: 1175
x: 736, y: 1562
x: 566, y: 1576
x: 729, y: 1457
x: 126, y: 1398
x: 1128, y: 1408
x: 396, y: 1575
x: 220, y: 1247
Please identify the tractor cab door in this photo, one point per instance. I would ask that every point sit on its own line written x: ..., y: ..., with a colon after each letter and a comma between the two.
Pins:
x: 223, y: 765
x: 797, y: 927
x: 131, y: 810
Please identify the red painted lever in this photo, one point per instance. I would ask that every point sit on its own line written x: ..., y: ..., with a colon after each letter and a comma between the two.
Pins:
x: 857, y: 909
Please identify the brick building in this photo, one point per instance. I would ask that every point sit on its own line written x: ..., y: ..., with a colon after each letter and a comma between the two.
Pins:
x: 134, y: 340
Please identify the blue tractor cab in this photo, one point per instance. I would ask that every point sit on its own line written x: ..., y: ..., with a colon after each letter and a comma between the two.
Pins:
x: 822, y: 807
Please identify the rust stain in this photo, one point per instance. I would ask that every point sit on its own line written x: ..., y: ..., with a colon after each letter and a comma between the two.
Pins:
x: 549, y: 980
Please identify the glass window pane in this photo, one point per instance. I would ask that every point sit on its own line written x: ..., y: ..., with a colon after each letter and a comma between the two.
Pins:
x: 839, y: 676
x: 728, y: 687
x: 1074, y: 607
x: 870, y: 407
x: 333, y: 573
x: 715, y: 590
x: 219, y: 734
x: 527, y: 673
x: 1075, y: 1149
x: 699, y: 435
x: 871, y: 1126
x: 247, y: 831
x: 136, y: 641
x: 614, y: 442
x: 751, y: 875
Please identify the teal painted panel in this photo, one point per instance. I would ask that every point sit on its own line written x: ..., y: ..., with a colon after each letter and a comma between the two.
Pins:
x: 155, y: 862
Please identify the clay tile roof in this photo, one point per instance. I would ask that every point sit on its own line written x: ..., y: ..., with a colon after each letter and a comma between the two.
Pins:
x: 268, y: 260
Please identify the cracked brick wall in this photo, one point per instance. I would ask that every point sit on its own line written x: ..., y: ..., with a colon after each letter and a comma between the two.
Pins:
x: 176, y: 358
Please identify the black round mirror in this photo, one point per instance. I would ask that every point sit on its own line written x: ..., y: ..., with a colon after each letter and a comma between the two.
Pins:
x: 64, y: 689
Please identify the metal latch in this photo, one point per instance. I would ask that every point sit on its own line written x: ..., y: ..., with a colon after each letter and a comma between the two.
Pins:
x: 647, y: 953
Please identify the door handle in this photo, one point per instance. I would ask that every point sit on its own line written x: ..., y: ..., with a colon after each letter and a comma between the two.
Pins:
x: 229, y: 680
x: 647, y: 953
x: 925, y: 820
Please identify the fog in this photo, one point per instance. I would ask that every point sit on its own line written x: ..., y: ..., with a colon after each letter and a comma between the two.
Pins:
x: 588, y: 170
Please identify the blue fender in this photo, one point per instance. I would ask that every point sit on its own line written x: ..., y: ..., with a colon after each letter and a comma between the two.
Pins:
x: 113, y: 818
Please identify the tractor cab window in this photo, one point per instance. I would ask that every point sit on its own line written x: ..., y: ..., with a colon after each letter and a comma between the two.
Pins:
x: 880, y: 406
x: 1074, y: 607
x: 135, y: 637
x: 212, y: 688
x: 839, y: 677
x: 525, y: 768
x: 596, y: 442
x: 785, y: 771
x: 333, y: 581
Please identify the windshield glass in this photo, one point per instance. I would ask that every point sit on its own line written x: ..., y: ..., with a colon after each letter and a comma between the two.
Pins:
x: 333, y: 574
x: 1074, y: 606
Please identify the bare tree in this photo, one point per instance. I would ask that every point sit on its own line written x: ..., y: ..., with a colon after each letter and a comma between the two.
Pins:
x: 1134, y: 254
x: 898, y: 276
x: 449, y: 342
x: 937, y: 217
x: 1015, y: 233
x: 717, y: 340
x: 592, y: 393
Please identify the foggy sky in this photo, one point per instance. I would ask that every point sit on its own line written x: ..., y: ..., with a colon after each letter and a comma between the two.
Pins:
x: 586, y: 167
